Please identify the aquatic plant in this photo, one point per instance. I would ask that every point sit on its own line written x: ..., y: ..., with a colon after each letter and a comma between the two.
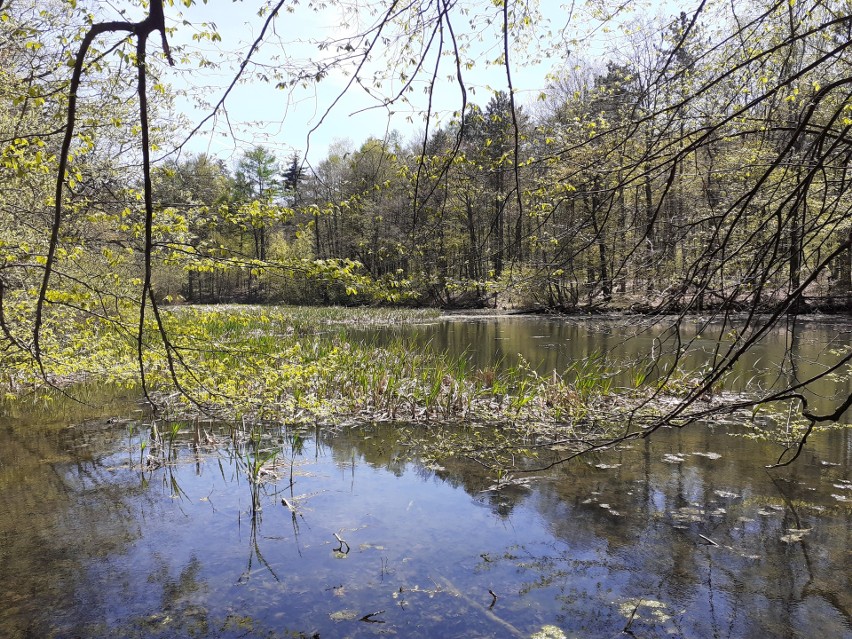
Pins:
x: 252, y: 365
x: 174, y: 430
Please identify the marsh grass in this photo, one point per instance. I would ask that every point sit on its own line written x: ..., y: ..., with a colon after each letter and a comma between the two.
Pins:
x: 307, y: 364
x: 256, y: 364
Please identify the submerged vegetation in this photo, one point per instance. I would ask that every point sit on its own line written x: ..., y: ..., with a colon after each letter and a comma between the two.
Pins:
x: 336, y: 524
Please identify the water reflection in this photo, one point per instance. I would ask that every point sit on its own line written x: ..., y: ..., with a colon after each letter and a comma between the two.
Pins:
x: 682, y: 535
x: 108, y: 529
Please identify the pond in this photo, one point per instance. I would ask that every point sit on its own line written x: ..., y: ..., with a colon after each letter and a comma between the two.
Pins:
x: 790, y: 353
x: 345, y: 534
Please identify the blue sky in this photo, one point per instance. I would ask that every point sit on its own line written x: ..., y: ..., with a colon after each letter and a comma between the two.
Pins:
x: 257, y: 113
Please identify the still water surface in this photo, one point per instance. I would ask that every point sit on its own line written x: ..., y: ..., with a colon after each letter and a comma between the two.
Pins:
x: 684, y: 535
x: 792, y: 352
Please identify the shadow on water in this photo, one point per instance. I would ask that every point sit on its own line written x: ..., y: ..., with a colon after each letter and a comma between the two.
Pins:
x: 111, y: 528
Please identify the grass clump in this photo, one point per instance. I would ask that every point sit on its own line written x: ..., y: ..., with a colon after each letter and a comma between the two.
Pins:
x: 253, y: 365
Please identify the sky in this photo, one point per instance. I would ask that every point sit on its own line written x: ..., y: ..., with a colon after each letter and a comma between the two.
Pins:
x: 295, y: 121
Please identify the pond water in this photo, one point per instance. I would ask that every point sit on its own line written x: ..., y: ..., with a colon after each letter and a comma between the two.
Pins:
x: 682, y: 535
x: 792, y: 352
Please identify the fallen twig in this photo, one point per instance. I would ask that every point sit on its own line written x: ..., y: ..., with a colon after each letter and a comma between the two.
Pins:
x: 708, y: 540
x: 342, y: 544
x: 632, y: 616
x: 509, y: 629
x: 369, y: 617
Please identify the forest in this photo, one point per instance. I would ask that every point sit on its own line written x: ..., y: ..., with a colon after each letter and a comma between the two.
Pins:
x: 700, y: 166
x: 703, y: 167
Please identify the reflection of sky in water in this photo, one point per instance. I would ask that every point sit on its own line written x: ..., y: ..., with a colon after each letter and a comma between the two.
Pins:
x: 173, y: 550
x: 92, y: 546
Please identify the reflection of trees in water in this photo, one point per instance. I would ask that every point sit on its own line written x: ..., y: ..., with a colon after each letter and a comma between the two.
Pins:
x: 812, y: 579
x: 77, y: 516
x: 62, y: 509
x: 640, y: 554
x: 182, y: 598
x: 652, y: 548
x: 652, y: 551
x: 377, y: 445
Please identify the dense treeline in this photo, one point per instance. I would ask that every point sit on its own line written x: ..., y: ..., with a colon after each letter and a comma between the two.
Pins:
x: 696, y: 169
x: 703, y: 165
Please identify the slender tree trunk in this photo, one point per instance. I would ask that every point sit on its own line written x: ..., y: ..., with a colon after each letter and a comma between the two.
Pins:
x: 650, y: 239
x: 317, y: 252
x: 519, y: 237
x: 498, y: 235
x: 473, y: 257
x: 603, y: 271
x: 841, y: 280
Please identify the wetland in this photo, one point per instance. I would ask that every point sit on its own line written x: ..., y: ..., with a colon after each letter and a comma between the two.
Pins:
x: 117, y: 524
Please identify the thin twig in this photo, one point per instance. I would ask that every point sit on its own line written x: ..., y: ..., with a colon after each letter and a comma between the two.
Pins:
x: 708, y: 540
x: 369, y: 617
x: 342, y: 544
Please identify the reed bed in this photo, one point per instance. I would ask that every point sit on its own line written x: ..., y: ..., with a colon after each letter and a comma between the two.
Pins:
x: 297, y: 364
x: 254, y: 367
x: 320, y: 364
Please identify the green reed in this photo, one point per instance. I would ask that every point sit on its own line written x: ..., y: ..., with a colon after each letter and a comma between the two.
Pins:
x: 303, y: 364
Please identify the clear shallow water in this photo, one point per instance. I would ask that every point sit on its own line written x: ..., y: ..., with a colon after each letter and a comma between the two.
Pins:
x: 93, y: 544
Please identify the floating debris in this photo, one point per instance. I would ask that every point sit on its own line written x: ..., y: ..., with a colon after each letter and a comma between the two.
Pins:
x: 520, y: 482
x: 549, y: 632
x: 725, y: 494
x: 688, y: 514
x: 607, y: 466
x: 794, y: 535
x: 842, y: 498
x: 708, y: 455
x: 345, y: 615
x: 660, y: 612
x: 673, y: 459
